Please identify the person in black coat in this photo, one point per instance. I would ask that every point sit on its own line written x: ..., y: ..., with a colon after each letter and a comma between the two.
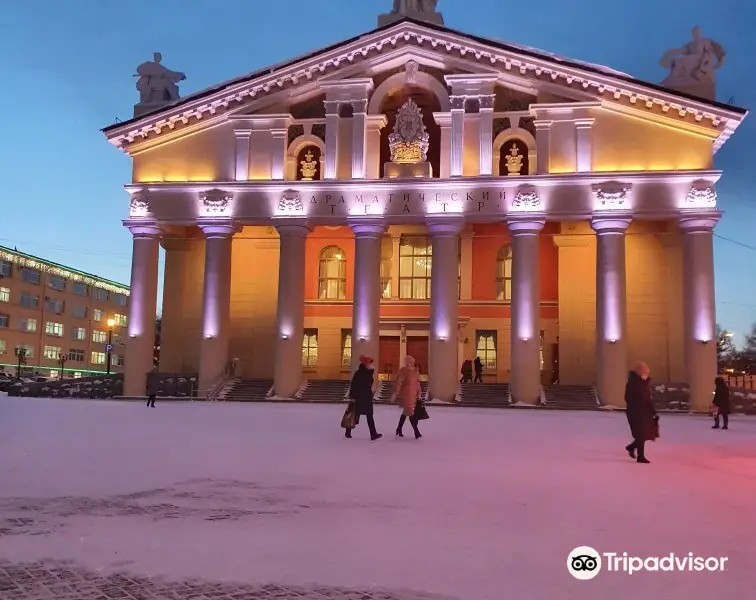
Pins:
x: 641, y: 413
x: 722, y: 402
x: 361, y: 392
x: 478, y: 370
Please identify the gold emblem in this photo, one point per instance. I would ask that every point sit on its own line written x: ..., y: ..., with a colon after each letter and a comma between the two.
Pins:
x: 514, y: 161
x: 409, y: 142
x: 309, y: 166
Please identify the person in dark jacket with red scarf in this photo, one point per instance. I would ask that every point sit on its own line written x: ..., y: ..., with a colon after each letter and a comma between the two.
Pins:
x: 641, y: 413
x: 361, y: 392
x: 722, y: 402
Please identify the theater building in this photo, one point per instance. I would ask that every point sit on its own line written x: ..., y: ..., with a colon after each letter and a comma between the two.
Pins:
x: 421, y: 191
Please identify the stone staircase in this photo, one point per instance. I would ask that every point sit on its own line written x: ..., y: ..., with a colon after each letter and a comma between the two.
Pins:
x: 570, y: 397
x: 254, y: 390
x: 324, y: 390
x: 386, y: 388
x: 484, y: 394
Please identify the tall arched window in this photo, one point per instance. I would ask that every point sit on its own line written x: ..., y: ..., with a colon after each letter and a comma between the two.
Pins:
x: 504, y: 274
x: 332, y: 274
x: 415, y: 257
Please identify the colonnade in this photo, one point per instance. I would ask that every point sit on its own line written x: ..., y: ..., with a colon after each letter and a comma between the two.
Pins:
x: 444, y: 231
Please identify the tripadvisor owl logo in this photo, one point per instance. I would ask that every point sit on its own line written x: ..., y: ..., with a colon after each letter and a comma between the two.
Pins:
x: 584, y: 563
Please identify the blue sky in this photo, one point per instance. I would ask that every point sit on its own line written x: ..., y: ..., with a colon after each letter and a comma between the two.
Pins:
x: 67, y: 72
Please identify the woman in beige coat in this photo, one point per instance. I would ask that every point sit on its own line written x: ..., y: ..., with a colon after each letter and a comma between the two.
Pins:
x: 407, y: 390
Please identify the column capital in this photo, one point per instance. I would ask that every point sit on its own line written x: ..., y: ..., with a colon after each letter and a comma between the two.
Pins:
x: 458, y: 103
x: 359, y: 106
x: 486, y: 102
x: 542, y: 124
x: 698, y: 224
x: 292, y: 227
x: 442, y: 119
x: 243, y: 133
x: 584, y: 123
x: 218, y: 228
x: 142, y: 229
x: 440, y: 225
x: 376, y: 122
x: 367, y: 227
x: 610, y: 225
x: 525, y: 226
x: 332, y: 107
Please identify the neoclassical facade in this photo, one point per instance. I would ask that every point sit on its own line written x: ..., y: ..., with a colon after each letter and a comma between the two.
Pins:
x: 557, y: 221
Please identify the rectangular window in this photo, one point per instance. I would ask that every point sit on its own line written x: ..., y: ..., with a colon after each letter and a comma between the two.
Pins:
x: 80, y: 289
x: 98, y: 358
x: 4, y: 321
x: 120, y: 299
x: 97, y: 314
x: 56, y: 282
x: 6, y: 268
x: 29, y: 325
x: 99, y: 337
x: 25, y: 348
x: 118, y: 360
x: 387, y: 265
x: 415, y: 258
x: 76, y: 355
x: 55, y: 329
x: 30, y: 275
x: 120, y: 320
x: 346, y: 347
x: 540, y: 352
x: 29, y: 300
x: 57, y: 307
x: 100, y: 294
x: 4, y: 294
x: 78, y: 333
x: 52, y: 352
x: 485, y: 348
x: 310, y: 348
x: 2, y: 347
x: 78, y: 311
x: 78, y: 375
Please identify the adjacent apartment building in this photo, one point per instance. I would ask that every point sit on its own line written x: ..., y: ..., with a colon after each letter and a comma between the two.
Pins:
x: 66, y: 321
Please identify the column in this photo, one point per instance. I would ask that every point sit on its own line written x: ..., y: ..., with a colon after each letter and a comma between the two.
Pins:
x: 699, y: 313
x: 611, y: 310
x: 486, y: 111
x: 543, y: 147
x: 332, y: 139
x: 584, y: 149
x: 366, y: 303
x: 279, y: 138
x: 525, y: 364
x: 457, y: 135
x: 287, y: 375
x: 443, y: 368
x: 242, y: 153
x: 140, y: 346
x: 216, y: 300
x: 359, y: 138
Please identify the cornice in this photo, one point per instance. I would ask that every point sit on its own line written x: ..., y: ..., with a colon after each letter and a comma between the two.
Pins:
x: 411, y: 34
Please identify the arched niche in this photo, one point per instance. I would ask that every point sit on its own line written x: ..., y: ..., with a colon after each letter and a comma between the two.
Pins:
x: 399, y: 81
x: 428, y: 103
x: 502, y: 144
x: 297, y: 149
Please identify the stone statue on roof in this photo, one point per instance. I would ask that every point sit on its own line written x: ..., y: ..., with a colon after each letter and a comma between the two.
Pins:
x: 157, y: 83
x: 421, y: 10
x: 692, y: 67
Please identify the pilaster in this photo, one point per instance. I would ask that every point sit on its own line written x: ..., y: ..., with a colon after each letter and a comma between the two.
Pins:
x: 374, y: 126
x: 543, y: 146
x: 457, y: 139
x: 242, y: 153
x: 359, y: 139
x: 584, y: 144
x: 486, y: 111
x: 332, y: 139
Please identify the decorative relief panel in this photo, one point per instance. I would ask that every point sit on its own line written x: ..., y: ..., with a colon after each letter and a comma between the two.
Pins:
x: 526, y: 198
x: 611, y: 196
x: 702, y: 194
x: 290, y: 204
x: 140, y: 205
x: 215, y: 203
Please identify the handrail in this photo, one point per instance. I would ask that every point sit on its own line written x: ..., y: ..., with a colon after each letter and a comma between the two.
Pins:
x: 213, y: 392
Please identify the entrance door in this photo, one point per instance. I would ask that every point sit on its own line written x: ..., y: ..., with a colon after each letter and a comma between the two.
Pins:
x: 389, y: 352
x: 417, y: 348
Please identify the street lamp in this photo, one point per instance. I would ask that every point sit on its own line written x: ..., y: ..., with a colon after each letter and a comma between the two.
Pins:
x: 21, y: 355
x: 111, y: 324
x: 62, y: 358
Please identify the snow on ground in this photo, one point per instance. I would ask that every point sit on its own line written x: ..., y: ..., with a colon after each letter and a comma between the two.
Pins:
x: 486, y: 506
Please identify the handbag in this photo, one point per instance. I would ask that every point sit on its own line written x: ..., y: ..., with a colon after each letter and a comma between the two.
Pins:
x: 421, y: 414
x: 714, y: 410
x: 347, y: 421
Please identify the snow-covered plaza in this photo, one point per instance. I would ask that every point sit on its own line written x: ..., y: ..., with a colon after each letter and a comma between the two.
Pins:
x: 103, y: 499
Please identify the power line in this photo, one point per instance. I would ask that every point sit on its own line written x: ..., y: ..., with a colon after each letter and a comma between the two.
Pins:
x: 737, y: 243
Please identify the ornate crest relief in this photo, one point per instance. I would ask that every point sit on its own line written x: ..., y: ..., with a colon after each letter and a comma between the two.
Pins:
x: 410, y: 141
x: 702, y: 194
x: 215, y: 203
x: 140, y: 205
x: 526, y: 198
x: 611, y: 196
x: 290, y: 204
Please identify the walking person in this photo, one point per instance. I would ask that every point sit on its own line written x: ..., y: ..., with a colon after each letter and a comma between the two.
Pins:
x: 721, y: 402
x: 466, y: 372
x: 407, y: 391
x: 361, y: 392
x: 152, y: 388
x: 641, y: 413
x: 478, y: 370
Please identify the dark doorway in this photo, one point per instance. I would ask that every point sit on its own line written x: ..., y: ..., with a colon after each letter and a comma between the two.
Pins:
x: 389, y: 352
x: 417, y: 348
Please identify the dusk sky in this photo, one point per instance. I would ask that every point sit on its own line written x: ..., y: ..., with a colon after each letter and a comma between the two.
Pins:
x: 67, y: 72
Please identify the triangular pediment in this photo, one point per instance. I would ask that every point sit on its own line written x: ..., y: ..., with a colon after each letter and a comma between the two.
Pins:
x: 438, y: 51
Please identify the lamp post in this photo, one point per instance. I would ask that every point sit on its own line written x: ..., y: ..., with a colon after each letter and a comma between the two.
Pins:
x: 111, y: 324
x: 62, y: 358
x: 21, y: 355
